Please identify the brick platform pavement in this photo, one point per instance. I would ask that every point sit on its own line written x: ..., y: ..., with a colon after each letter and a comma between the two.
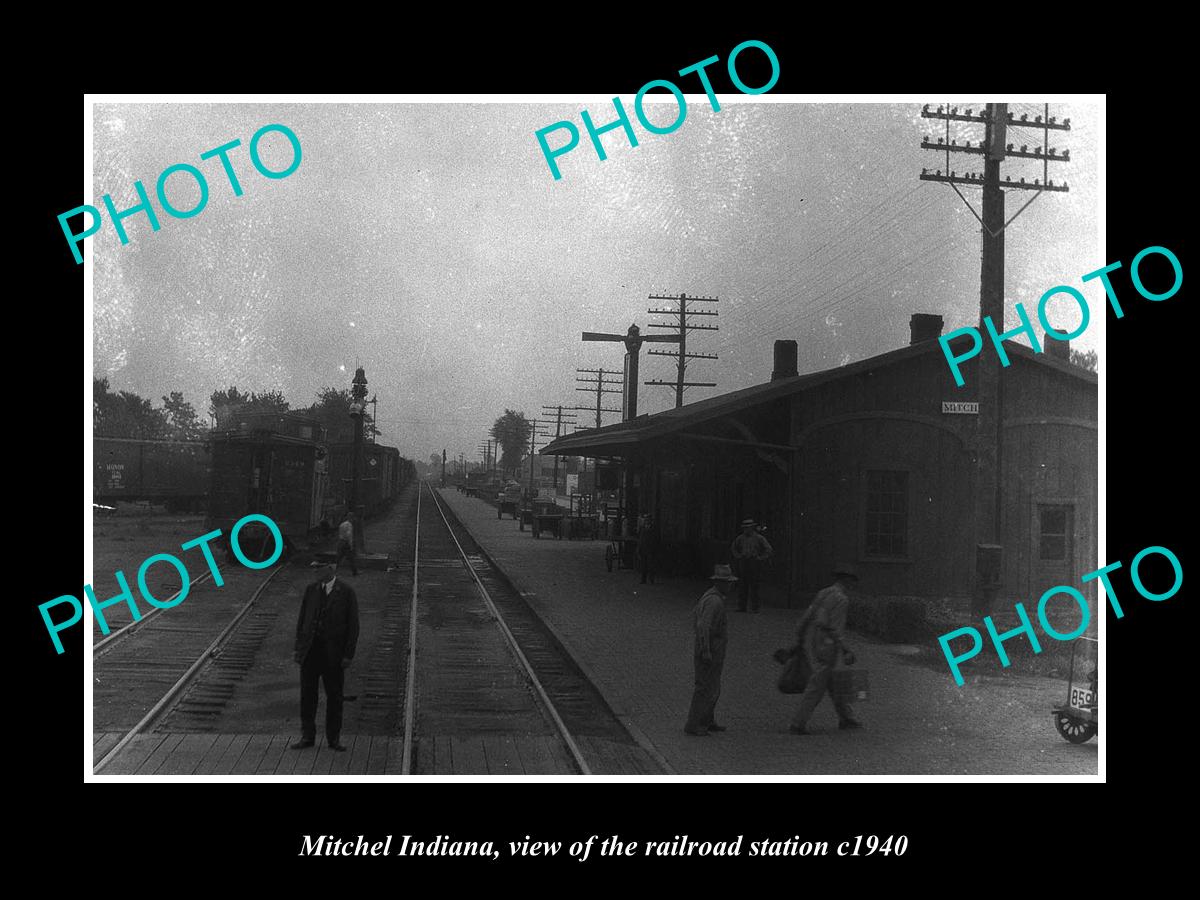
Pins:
x: 635, y: 642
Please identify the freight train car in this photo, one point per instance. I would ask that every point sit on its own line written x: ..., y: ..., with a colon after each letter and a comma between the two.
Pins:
x: 381, y: 478
x: 275, y: 465
x: 172, y: 472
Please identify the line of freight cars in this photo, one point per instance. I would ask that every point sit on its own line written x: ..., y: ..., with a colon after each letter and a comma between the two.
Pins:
x: 276, y: 465
x: 171, y: 472
x: 281, y: 466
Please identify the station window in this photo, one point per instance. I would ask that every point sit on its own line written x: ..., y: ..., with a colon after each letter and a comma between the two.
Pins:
x: 887, y: 513
x: 1054, y: 527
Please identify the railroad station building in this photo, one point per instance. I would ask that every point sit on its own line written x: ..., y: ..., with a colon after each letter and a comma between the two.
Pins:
x: 878, y: 463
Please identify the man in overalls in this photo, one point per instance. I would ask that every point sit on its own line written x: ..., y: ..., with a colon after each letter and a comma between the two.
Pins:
x: 708, y: 656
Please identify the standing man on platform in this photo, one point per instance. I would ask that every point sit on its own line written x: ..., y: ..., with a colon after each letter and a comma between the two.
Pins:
x: 750, y: 550
x: 709, y: 652
x: 647, y: 547
x: 346, y: 543
x: 326, y: 637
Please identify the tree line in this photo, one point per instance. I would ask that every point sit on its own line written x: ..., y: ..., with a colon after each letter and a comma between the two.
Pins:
x: 124, y: 414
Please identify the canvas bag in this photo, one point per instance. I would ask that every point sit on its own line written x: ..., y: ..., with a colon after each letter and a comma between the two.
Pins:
x: 796, y: 672
x: 796, y: 669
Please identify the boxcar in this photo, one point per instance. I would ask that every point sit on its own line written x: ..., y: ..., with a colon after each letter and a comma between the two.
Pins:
x: 172, y: 472
x: 381, y: 478
x: 273, y: 465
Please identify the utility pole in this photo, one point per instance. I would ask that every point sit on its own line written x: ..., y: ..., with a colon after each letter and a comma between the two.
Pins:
x: 682, y: 327
x: 558, y: 423
x: 600, y: 387
x: 358, y: 392
x: 994, y: 148
x: 633, y: 340
x: 534, y: 434
x: 443, y: 467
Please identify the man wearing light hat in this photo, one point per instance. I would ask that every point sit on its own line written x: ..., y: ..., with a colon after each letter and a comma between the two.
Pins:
x: 709, y: 652
x: 820, y: 630
x: 750, y: 549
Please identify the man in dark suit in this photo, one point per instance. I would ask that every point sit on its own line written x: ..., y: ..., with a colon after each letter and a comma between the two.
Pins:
x: 326, y: 636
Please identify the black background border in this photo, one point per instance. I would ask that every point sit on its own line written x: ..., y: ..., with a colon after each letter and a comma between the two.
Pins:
x: 953, y: 828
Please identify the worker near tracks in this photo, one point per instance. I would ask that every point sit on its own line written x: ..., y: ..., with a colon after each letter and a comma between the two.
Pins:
x: 345, y: 545
x: 709, y: 652
x: 326, y: 636
x: 750, y: 550
x: 647, y: 547
x: 820, y: 632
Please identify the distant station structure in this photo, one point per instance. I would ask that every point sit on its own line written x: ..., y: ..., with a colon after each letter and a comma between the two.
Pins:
x: 876, y: 462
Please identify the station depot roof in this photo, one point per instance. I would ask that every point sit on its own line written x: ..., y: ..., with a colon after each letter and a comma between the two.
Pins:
x: 619, y: 439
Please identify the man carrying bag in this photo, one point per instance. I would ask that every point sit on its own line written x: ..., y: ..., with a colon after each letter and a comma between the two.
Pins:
x: 820, y: 632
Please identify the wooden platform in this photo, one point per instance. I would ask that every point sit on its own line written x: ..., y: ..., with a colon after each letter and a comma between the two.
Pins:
x: 493, y: 754
x: 271, y: 754
x: 247, y: 754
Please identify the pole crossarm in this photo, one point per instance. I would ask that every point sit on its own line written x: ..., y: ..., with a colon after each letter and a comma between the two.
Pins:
x: 683, y: 311
x: 1052, y: 155
x: 977, y: 180
x: 688, y: 327
x: 687, y: 355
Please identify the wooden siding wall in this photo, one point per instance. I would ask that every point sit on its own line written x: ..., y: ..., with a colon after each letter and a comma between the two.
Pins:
x: 891, y: 419
x: 1048, y: 455
x: 831, y: 525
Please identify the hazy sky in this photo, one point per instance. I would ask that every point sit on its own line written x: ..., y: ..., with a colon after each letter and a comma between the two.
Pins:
x: 430, y: 243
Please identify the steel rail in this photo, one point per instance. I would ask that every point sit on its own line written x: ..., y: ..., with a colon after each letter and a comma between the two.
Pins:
x: 410, y: 691
x: 564, y: 734
x: 186, y: 677
x: 105, y: 644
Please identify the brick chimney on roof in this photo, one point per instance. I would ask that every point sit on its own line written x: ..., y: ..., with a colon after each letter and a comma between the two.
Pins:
x: 785, y: 360
x: 1059, y: 349
x: 924, y: 327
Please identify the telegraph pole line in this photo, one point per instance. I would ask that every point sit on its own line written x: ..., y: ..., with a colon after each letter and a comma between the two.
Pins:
x: 994, y: 149
x: 682, y: 312
x: 534, y: 434
x: 558, y: 423
x: 599, y: 386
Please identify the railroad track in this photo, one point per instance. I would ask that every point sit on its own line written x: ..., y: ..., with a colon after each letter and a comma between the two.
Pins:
x: 170, y: 655
x: 106, y: 644
x: 489, y: 690
x: 455, y: 674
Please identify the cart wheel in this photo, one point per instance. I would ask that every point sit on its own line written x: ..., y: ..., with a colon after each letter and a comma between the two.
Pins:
x: 1074, y: 730
x: 608, y: 557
